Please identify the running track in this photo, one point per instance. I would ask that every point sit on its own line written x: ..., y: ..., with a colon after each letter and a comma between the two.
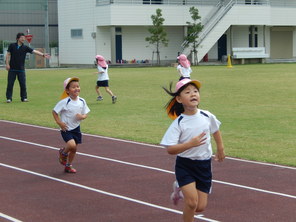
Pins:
x: 123, y: 181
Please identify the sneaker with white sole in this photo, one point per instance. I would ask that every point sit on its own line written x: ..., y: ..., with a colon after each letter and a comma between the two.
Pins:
x: 69, y: 169
x: 177, y: 193
x: 114, y: 98
x: 100, y: 98
x: 8, y: 101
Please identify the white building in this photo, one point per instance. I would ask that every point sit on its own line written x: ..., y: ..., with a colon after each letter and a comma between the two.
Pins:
x: 117, y: 29
x: 29, y: 15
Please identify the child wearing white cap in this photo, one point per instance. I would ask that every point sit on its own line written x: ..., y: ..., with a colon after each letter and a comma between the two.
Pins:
x: 68, y: 113
x: 183, y: 67
x: 189, y: 137
x: 103, y: 78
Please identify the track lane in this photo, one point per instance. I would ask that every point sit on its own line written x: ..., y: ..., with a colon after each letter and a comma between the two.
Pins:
x: 236, y: 201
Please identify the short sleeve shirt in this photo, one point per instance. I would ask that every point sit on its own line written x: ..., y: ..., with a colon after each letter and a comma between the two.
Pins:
x: 185, y: 127
x: 103, y: 76
x: 68, y: 108
x: 185, y: 71
x: 18, y: 56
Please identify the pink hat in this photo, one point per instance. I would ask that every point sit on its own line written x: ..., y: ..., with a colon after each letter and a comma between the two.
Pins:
x: 179, y: 85
x: 184, y: 82
x: 66, y: 83
x: 183, y: 60
x: 101, y: 61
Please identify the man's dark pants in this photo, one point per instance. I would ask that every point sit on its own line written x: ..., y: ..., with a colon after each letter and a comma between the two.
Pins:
x: 21, y: 76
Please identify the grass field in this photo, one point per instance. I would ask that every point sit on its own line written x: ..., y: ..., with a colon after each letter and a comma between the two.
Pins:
x: 255, y: 103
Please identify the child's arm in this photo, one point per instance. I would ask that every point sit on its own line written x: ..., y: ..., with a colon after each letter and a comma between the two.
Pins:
x: 81, y: 116
x: 180, y: 72
x: 195, y: 141
x: 62, y: 125
x: 220, y: 155
x: 99, y: 72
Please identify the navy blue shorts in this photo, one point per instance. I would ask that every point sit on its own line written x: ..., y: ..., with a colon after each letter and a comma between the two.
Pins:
x: 74, y: 134
x: 199, y: 171
x: 104, y: 83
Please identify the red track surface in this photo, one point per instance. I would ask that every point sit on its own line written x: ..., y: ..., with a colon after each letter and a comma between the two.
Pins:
x: 113, y: 183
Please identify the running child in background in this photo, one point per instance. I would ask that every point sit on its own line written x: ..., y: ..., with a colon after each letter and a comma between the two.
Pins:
x: 183, y: 67
x: 103, y: 78
x: 189, y: 137
x: 68, y: 113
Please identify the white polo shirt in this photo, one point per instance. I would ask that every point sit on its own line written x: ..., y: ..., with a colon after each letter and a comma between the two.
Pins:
x: 68, y: 108
x: 103, y: 76
x: 185, y: 127
x: 185, y: 71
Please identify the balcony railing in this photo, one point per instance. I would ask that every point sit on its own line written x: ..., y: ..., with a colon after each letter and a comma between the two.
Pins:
x: 158, y: 2
x: 272, y: 3
x: 275, y: 3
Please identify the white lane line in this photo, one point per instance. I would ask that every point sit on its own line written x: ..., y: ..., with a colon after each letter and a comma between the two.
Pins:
x: 89, y: 155
x: 255, y: 189
x: 148, y: 145
x: 85, y: 134
x: 9, y: 218
x: 103, y: 192
x: 262, y: 163
x: 152, y: 168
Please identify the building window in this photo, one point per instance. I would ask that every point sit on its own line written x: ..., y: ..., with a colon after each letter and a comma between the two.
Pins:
x: 118, y: 30
x: 76, y: 33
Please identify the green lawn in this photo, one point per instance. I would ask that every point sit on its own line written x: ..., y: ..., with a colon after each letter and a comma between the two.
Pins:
x: 255, y: 103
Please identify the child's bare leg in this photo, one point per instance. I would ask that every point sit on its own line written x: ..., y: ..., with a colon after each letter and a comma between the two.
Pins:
x: 190, y: 201
x: 202, y: 201
x: 71, y: 148
x: 98, y: 91
x: 109, y: 91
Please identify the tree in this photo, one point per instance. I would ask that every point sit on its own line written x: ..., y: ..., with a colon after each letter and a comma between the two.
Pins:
x: 193, y: 32
x: 158, y: 34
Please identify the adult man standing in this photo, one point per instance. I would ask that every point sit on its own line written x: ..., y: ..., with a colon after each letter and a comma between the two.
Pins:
x: 15, y: 65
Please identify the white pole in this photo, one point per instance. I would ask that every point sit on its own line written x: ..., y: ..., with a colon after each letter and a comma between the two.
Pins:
x: 46, y: 31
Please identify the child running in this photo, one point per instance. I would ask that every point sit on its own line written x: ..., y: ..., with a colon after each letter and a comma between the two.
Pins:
x: 103, y: 78
x: 68, y: 113
x: 183, y: 67
x: 188, y: 137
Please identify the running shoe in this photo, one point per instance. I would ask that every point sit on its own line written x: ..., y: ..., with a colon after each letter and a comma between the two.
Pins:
x: 100, y: 98
x: 114, y: 98
x: 69, y: 169
x: 62, y: 156
x: 177, y: 193
x: 8, y: 101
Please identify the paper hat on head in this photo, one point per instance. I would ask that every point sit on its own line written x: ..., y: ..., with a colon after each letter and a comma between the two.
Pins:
x: 183, y: 60
x: 179, y: 85
x: 101, y: 61
x: 66, y: 83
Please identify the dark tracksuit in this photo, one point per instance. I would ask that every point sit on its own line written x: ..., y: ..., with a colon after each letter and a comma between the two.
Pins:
x: 17, y: 69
